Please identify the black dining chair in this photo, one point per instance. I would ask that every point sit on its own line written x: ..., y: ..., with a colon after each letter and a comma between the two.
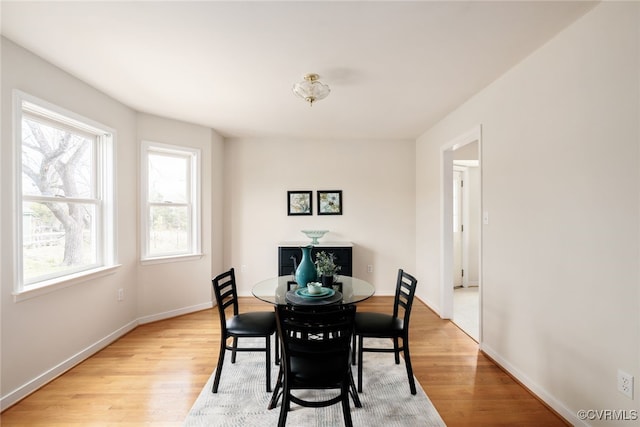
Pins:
x: 394, y: 326
x: 316, y: 353
x: 234, y: 325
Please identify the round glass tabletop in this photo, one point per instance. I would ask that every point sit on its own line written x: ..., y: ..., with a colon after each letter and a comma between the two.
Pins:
x: 274, y: 290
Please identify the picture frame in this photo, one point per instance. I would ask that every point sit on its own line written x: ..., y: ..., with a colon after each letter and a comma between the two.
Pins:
x: 299, y: 203
x: 330, y: 202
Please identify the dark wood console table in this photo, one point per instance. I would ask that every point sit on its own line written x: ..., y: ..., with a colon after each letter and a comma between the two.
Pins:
x: 289, y: 251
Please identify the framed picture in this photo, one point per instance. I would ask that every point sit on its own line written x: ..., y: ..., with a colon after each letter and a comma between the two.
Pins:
x: 330, y: 202
x: 299, y: 203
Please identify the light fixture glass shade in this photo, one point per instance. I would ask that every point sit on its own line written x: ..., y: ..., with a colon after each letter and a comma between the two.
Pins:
x: 311, y: 89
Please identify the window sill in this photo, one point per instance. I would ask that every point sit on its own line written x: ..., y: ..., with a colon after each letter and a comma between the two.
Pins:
x: 53, y: 285
x: 175, y: 258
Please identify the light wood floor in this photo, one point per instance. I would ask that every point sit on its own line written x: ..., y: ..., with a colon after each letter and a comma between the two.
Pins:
x: 153, y: 375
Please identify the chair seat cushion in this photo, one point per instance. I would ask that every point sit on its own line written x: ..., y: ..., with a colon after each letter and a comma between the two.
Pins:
x: 258, y: 323
x: 377, y: 324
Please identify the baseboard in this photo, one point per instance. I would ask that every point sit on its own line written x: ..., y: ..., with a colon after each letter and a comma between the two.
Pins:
x: 174, y: 313
x: 48, y: 376
x: 539, y: 392
x: 429, y: 305
x: 25, y: 390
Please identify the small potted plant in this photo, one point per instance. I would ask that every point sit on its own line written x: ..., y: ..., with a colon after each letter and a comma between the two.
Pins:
x: 326, y: 268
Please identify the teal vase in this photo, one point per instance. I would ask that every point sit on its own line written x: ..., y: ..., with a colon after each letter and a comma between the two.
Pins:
x: 306, y: 271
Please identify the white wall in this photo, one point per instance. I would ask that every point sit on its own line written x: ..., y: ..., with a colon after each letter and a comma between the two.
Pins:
x: 170, y: 288
x: 46, y: 335
x: 378, y: 185
x: 560, y: 162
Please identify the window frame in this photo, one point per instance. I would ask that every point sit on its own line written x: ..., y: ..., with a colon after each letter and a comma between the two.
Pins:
x: 104, y: 198
x: 193, y: 204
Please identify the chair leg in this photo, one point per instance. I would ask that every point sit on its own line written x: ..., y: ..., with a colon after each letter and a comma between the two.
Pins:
x: 360, y: 344
x: 353, y: 391
x: 284, y: 409
x: 407, y: 362
x: 276, y: 342
x: 274, y: 398
x: 216, y: 381
x: 234, y: 346
x: 353, y: 349
x: 396, y: 349
x: 346, y: 411
x: 268, y: 361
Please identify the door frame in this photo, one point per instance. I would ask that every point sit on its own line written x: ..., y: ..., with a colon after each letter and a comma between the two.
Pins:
x: 446, y: 220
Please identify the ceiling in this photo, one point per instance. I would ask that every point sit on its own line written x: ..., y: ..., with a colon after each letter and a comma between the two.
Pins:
x: 394, y: 68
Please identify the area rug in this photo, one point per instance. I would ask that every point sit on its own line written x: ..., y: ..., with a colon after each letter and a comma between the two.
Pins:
x: 242, y: 399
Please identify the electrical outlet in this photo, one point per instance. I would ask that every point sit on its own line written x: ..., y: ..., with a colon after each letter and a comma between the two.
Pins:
x: 369, y: 268
x: 625, y: 384
x: 120, y: 294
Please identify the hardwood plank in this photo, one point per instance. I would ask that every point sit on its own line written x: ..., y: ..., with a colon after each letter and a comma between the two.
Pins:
x: 153, y: 375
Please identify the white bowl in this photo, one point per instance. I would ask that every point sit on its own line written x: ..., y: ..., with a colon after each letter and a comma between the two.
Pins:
x: 314, y: 288
x: 315, y: 235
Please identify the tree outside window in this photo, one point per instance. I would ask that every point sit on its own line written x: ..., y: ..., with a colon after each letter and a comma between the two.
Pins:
x: 63, y: 188
x: 171, y: 182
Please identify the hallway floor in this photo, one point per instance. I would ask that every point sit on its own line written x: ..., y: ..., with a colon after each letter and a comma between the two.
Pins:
x: 466, y: 310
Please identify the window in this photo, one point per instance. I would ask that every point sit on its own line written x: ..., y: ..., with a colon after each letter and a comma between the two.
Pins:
x: 65, y: 211
x: 171, y: 191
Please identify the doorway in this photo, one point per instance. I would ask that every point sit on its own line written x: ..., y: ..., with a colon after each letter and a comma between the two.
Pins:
x: 461, y: 233
x: 458, y: 226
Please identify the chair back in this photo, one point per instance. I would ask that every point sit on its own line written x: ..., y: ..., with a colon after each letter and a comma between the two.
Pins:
x: 316, y: 345
x: 405, y: 291
x: 224, y: 288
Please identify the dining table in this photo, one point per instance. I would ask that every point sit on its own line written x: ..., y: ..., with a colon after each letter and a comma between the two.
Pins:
x: 284, y: 290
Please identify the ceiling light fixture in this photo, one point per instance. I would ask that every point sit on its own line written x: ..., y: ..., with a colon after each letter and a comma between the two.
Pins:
x: 311, y: 89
